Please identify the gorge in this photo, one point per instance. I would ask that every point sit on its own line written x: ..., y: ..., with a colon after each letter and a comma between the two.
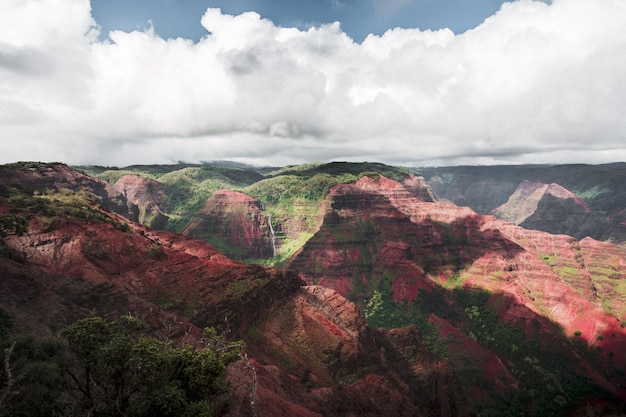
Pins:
x: 357, y: 288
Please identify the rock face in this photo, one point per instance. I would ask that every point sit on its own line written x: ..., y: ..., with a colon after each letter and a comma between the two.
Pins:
x: 371, y: 227
x: 332, y: 363
x: 310, y: 350
x: 377, y: 237
x: 419, y: 188
x: 55, y: 177
x: 174, y: 272
x: 579, y: 200
x: 524, y: 202
x: 485, y: 315
x: 551, y: 208
x: 143, y: 198
x: 235, y: 223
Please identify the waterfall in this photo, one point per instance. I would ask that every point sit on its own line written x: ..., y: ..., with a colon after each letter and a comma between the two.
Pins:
x: 272, y: 235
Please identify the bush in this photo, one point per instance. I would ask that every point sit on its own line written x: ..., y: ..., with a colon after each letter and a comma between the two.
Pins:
x: 94, y: 251
x: 122, y: 371
x: 11, y: 224
x: 155, y: 252
x: 31, y: 372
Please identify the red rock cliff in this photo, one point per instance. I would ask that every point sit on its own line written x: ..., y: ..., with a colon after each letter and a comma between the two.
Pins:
x: 376, y: 232
x: 236, y: 223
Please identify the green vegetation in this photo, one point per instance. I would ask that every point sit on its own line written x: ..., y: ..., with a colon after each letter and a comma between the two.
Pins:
x: 187, y: 187
x: 382, y: 311
x: 155, y: 252
x: 11, y: 224
x: 611, y: 289
x: 241, y: 287
x: 112, y: 368
x: 292, y: 196
x: 113, y: 176
x: 548, y: 384
x: 345, y: 170
x: 50, y: 206
x: 187, y: 190
x: 32, y: 166
x: 592, y: 192
x: 94, y: 251
x: 287, y: 249
x: 34, y: 380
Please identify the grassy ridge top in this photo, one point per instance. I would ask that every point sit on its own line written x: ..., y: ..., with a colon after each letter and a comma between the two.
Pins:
x: 291, y: 195
x: 339, y: 169
x: 183, y: 182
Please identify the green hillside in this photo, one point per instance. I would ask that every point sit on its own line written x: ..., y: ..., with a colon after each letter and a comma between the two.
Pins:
x: 290, y: 196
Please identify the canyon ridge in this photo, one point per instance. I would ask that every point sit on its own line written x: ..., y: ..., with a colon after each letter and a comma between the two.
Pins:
x: 358, y: 288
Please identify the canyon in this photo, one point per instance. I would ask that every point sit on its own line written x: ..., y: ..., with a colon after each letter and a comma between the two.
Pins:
x: 381, y: 297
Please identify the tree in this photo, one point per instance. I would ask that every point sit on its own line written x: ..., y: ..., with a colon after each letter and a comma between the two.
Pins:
x: 120, y: 370
x: 11, y: 224
x: 32, y: 373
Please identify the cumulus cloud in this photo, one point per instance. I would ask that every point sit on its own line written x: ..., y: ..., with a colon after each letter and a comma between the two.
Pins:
x: 533, y: 83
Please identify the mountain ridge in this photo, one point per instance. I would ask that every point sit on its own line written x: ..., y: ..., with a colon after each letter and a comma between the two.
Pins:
x: 405, y: 294
x: 595, y: 208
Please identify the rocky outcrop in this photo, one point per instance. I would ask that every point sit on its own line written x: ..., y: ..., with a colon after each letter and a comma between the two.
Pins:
x: 235, y: 223
x: 552, y: 208
x: 182, y: 275
x: 579, y: 200
x: 419, y: 188
x: 499, y: 305
x: 143, y: 197
x: 42, y: 177
x: 376, y: 236
x: 524, y: 201
x: 332, y: 363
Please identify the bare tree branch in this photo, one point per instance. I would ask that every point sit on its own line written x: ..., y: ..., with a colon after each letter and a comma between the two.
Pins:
x: 7, y: 371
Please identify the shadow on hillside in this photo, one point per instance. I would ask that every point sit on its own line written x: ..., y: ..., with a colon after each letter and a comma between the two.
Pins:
x: 367, y: 245
x: 547, y: 373
x: 366, y: 238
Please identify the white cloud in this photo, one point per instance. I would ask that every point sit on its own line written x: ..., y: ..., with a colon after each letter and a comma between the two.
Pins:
x: 533, y: 83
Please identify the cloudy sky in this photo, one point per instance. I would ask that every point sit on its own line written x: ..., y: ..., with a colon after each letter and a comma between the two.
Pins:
x: 267, y: 82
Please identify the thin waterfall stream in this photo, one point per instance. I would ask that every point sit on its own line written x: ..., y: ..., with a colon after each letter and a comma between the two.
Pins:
x: 272, y: 235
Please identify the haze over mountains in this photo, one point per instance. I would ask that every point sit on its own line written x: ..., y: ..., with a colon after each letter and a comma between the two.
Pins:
x: 358, y: 288
x: 579, y: 200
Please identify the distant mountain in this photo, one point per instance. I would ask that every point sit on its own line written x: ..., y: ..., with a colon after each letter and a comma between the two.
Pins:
x: 579, y: 200
x: 194, y: 199
x: 384, y: 299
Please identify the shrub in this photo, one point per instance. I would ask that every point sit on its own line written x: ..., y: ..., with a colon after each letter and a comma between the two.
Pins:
x: 155, y: 252
x: 94, y: 251
x: 122, y: 371
x: 11, y: 224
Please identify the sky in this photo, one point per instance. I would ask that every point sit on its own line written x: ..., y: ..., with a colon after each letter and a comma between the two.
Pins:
x: 277, y: 82
x: 358, y: 18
